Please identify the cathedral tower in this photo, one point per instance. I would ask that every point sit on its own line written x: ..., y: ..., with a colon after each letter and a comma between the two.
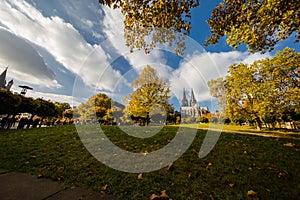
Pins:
x: 184, y: 101
x: 193, y: 100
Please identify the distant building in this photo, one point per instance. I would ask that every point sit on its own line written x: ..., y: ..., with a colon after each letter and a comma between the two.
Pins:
x: 191, y: 109
x: 3, y: 85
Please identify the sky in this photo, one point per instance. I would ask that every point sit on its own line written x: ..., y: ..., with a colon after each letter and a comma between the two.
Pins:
x: 68, y: 51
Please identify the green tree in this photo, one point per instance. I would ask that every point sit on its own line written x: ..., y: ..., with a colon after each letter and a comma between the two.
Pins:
x: 45, y: 108
x: 60, y: 107
x: 68, y: 113
x: 260, y: 24
x: 150, y: 97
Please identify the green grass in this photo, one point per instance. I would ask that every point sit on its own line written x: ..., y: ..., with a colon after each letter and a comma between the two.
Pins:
x: 270, y: 131
x: 237, y: 164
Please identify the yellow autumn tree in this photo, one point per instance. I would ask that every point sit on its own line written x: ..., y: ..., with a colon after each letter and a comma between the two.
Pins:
x: 150, y: 97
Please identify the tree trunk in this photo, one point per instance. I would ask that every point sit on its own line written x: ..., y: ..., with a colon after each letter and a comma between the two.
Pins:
x: 258, y: 124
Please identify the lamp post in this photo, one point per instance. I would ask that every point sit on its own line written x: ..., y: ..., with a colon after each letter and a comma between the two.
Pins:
x: 24, y: 89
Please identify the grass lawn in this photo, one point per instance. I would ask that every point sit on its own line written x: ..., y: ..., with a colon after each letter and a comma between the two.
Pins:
x: 237, y: 164
x: 275, y: 131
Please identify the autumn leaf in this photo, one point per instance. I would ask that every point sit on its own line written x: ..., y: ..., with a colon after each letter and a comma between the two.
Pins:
x: 104, y: 187
x: 289, y: 144
x: 33, y: 156
x: 154, y: 197
x: 40, y: 175
x: 209, y: 165
x: 252, y: 194
x: 140, y: 176
x: 164, y: 194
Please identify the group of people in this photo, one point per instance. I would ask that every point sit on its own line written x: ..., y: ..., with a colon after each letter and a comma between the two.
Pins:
x: 8, y: 122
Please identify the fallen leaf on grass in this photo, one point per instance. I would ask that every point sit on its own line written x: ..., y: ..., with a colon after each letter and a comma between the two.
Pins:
x: 252, y: 194
x: 154, y: 197
x: 289, y: 144
x: 209, y: 165
x: 282, y: 175
x: 164, y: 194
x: 231, y: 185
x: 140, y: 176
x: 104, y: 187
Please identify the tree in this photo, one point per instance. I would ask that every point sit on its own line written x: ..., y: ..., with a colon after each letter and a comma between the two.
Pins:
x: 98, y: 105
x: 242, y: 94
x: 44, y: 108
x: 68, y: 114
x: 260, y: 24
x: 265, y: 91
x: 9, y: 102
x: 150, y: 97
x: 60, y: 107
x: 280, y: 79
x: 217, y: 89
x: 157, y: 20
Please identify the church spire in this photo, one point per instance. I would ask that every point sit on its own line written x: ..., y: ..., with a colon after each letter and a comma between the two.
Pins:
x: 184, y: 101
x: 193, y: 100
x: 3, y: 79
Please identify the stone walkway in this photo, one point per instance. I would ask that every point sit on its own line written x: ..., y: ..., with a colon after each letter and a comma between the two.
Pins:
x: 20, y: 186
x: 262, y: 134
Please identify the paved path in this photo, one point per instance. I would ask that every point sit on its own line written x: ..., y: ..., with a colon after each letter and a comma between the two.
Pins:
x: 20, y: 186
x: 278, y: 135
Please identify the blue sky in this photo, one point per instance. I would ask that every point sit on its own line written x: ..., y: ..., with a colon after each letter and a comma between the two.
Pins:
x: 70, y: 50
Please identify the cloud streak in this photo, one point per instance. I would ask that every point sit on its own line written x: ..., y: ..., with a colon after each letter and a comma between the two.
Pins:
x: 24, y: 61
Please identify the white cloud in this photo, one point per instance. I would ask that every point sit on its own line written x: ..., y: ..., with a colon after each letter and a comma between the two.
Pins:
x: 59, y: 38
x: 25, y: 63
x: 197, y: 69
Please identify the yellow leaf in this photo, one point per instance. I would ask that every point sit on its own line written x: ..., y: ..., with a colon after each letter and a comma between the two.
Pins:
x: 154, y: 196
x: 289, y: 144
x: 164, y: 194
x: 209, y: 165
x: 140, y: 176
x: 104, y: 187
x: 252, y: 194
x: 40, y: 175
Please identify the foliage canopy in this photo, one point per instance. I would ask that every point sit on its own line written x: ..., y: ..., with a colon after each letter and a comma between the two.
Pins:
x: 160, y: 20
x: 150, y: 98
x: 258, y: 24
x: 97, y: 107
x: 265, y: 91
